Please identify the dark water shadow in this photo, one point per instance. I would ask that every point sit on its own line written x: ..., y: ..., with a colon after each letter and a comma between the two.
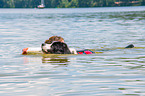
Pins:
x: 55, y: 60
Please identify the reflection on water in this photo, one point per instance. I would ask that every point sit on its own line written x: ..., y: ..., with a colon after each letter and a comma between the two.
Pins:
x: 129, y: 16
x: 54, y: 60
x: 57, y: 60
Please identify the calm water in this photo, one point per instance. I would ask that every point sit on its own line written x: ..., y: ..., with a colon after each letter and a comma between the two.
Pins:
x: 118, y: 72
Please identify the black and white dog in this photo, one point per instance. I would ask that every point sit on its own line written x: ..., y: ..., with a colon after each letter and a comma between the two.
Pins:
x: 55, y: 48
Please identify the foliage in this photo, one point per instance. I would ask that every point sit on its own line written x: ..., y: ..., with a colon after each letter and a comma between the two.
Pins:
x: 69, y: 3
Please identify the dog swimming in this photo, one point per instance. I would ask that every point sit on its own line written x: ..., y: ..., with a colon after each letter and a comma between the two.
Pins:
x: 61, y: 48
x: 56, y: 45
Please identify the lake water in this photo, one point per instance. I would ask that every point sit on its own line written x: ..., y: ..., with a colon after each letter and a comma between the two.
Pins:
x: 115, y: 72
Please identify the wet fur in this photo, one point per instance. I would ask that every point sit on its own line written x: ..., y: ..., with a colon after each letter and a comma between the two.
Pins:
x: 59, y: 48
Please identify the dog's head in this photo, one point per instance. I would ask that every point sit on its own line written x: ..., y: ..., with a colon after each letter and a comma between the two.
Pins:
x: 55, y: 48
x: 59, y: 48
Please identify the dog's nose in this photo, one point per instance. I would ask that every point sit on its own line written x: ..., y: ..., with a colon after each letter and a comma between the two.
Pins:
x: 43, y: 44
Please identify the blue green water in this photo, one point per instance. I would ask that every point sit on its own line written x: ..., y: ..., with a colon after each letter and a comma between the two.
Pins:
x: 118, y: 72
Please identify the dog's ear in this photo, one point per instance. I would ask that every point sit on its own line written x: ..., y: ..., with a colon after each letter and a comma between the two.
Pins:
x: 59, y: 48
x: 66, y: 49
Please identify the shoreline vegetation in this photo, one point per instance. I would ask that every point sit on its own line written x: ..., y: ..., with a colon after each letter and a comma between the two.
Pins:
x: 69, y: 3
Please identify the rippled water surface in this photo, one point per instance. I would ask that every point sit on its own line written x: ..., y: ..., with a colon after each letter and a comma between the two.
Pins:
x: 114, y: 72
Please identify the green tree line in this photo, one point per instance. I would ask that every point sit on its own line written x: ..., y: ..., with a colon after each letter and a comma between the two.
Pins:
x: 69, y: 3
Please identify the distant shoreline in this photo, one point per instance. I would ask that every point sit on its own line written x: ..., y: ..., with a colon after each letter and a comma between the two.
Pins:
x: 69, y: 3
x: 68, y: 7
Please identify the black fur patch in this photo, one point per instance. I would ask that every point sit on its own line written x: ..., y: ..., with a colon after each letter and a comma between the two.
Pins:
x: 59, y: 48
